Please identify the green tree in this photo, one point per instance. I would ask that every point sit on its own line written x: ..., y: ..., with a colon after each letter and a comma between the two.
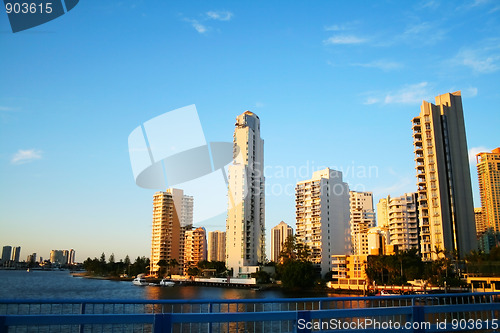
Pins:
x: 297, y: 274
x: 162, y: 263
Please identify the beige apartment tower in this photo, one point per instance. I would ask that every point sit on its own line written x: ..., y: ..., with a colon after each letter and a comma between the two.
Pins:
x: 216, y: 246
x: 172, y: 217
x: 322, y: 217
x: 245, y: 224
x: 195, y: 247
x: 279, y: 235
x: 362, y: 218
x: 480, y: 226
x: 446, y: 212
x: 402, y: 221
x: 488, y: 172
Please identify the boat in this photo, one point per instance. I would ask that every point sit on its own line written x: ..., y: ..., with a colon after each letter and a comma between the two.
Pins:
x: 167, y: 283
x: 139, y: 281
x: 384, y: 293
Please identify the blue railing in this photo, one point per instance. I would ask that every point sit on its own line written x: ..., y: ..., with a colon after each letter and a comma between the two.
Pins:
x: 412, y: 313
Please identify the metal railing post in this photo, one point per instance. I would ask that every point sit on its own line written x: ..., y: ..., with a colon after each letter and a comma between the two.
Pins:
x: 3, y: 327
x: 82, y: 311
x: 162, y: 323
x: 210, y: 311
x: 304, y: 321
x: 418, y: 316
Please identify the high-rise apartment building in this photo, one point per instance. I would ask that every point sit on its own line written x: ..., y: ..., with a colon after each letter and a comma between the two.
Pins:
x: 71, y: 258
x: 32, y: 258
x: 362, y: 218
x: 279, y: 235
x: 488, y: 172
x: 245, y: 224
x: 16, y: 254
x: 58, y: 257
x: 172, y: 216
x: 446, y: 209
x: 6, y: 254
x: 480, y: 225
x: 403, y: 222
x: 322, y: 217
x: 216, y: 246
x: 195, y: 247
x: 382, y: 213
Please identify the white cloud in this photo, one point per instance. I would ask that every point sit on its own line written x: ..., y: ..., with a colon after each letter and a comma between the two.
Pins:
x: 6, y: 108
x: 469, y: 92
x: 408, y: 94
x: 335, y: 27
x: 480, y: 60
x: 26, y: 156
x: 371, y: 100
x: 495, y: 9
x: 381, y: 64
x: 344, y: 39
x: 425, y: 33
x: 429, y: 4
x: 219, y: 15
x: 197, y: 25
x: 259, y: 104
x: 476, y: 150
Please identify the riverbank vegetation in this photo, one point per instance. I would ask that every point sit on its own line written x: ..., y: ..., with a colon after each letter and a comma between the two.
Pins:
x: 111, y: 267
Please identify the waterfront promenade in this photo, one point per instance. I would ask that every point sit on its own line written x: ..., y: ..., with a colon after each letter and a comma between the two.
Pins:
x: 412, y: 313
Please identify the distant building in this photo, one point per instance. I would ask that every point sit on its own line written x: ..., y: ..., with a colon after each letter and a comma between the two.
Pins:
x: 480, y: 225
x: 245, y: 223
x: 488, y: 240
x: 31, y: 258
x: 349, y: 272
x: 172, y: 216
x: 383, y: 213
x: 59, y: 257
x: 16, y: 254
x: 402, y: 222
x: 6, y: 255
x: 362, y: 218
x: 279, y: 236
x: 71, y: 258
x: 446, y: 209
x: 488, y: 172
x: 216, y: 246
x: 378, y: 241
x: 195, y: 247
x: 322, y: 217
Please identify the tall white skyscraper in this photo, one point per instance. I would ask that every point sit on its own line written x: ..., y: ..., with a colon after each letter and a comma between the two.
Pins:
x: 322, y: 217
x: 245, y: 225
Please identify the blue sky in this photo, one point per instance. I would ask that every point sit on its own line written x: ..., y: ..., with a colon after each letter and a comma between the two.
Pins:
x: 335, y: 83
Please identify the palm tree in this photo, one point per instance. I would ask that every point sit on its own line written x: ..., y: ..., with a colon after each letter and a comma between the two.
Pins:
x: 162, y: 263
x: 172, y: 262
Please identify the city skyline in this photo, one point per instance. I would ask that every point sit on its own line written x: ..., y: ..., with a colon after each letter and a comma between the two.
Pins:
x: 333, y: 83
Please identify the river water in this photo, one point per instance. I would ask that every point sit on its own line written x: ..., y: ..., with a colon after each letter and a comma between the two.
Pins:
x: 62, y: 285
